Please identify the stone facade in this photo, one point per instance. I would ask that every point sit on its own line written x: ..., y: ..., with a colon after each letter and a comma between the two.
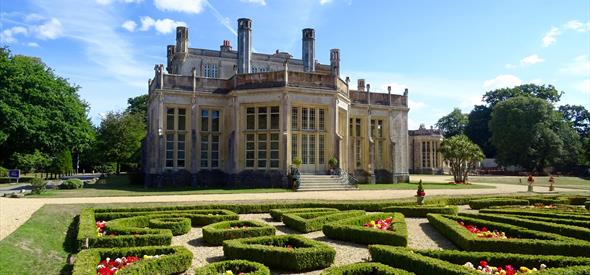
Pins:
x: 244, y: 116
x: 424, y: 155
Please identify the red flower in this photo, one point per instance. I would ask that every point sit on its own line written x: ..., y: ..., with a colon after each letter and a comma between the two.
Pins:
x: 483, y: 263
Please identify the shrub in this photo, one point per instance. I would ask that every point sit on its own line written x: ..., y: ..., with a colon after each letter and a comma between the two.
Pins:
x: 575, y: 222
x: 3, y: 172
x: 352, y: 230
x: 71, y: 184
x: 364, y: 268
x: 422, y: 210
x: 309, y: 222
x: 587, y: 205
x: 178, y: 226
x: 526, y: 241
x: 485, y: 203
x: 173, y: 260
x: 38, y: 185
x: 277, y: 214
x: 576, y: 200
x: 216, y: 233
x: 235, y: 266
x: 539, y: 213
x: 287, y: 252
x: 198, y: 217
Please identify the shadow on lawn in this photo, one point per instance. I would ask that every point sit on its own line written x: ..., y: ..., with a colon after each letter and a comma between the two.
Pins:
x: 70, y: 245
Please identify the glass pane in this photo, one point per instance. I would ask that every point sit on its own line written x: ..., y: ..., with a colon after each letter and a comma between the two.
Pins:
x: 262, y: 164
x: 274, y: 163
x: 215, y: 121
x: 180, y: 154
x: 204, y: 163
x: 169, y: 163
x: 215, y: 155
x: 304, y: 149
x: 250, y: 146
x: 214, y: 146
x: 358, y: 127
x: 262, y: 118
x: 312, y: 149
x: 294, y: 147
x: 214, y: 163
x: 170, y: 119
x: 250, y: 163
x: 274, y: 121
x: 312, y: 119
x: 250, y: 110
x: 321, y: 150
x: 350, y: 133
x: 250, y: 137
x: 180, y: 163
x: 169, y: 146
x: 250, y: 122
x: 169, y: 154
x: 294, y: 117
x: 204, y: 120
x: 274, y: 154
x: 250, y: 155
x: 322, y: 119
x: 181, y: 137
x: 304, y: 118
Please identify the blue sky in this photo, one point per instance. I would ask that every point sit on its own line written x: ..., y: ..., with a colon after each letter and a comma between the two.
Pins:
x: 447, y: 53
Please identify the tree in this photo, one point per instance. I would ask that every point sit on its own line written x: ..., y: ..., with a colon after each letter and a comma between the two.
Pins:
x: 38, y: 111
x: 138, y: 105
x: 461, y: 155
x: 478, y: 130
x: 579, y: 117
x: 119, y: 137
x: 452, y: 124
x: 547, y: 93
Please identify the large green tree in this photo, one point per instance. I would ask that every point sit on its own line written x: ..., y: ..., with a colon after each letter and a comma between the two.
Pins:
x: 41, y: 114
x: 119, y: 138
x: 452, y: 124
x: 478, y: 130
x: 138, y: 105
x: 578, y: 116
x: 461, y: 155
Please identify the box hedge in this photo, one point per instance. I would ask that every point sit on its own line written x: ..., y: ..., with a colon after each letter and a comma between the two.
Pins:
x: 309, y: 222
x: 422, y: 210
x: 274, y: 252
x: 216, y: 233
x: 277, y: 214
x: 173, y: 260
x: 485, y: 203
x: 561, y: 229
x: 587, y: 205
x: 525, y: 241
x: 539, y: 213
x: 364, y: 269
x: 353, y: 230
x: 574, y: 222
x: 178, y: 226
x: 235, y: 266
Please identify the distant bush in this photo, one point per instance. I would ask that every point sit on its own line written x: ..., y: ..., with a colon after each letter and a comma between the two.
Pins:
x: 3, y: 172
x: 71, y: 184
x: 38, y: 185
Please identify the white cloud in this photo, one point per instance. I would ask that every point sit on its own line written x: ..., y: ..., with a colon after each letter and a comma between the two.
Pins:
x: 129, y: 25
x: 550, y: 36
x: 579, y: 66
x: 34, y: 17
x: 259, y: 2
x: 7, y: 35
x: 531, y: 59
x: 52, y: 29
x: 33, y: 44
x: 187, y: 6
x: 324, y: 2
x: 501, y: 81
x: 160, y: 25
x: 577, y: 26
x: 108, y: 2
x: 583, y: 86
x: 223, y: 20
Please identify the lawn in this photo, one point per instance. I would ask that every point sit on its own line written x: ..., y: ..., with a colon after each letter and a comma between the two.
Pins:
x: 564, y: 182
x: 427, y: 185
x: 118, y: 185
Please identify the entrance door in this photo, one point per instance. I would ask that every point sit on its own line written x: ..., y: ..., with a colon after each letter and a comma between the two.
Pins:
x: 308, y: 133
x: 308, y: 147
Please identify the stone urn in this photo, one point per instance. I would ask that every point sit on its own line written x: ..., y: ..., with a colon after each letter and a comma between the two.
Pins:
x: 420, y: 200
x: 530, y: 188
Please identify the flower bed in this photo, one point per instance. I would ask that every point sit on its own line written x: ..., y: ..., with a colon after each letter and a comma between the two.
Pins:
x: 277, y: 214
x: 313, y: 221
x: 483, y: 232
x: 354, y: 230
x: 110, y: 266
x: 233, y: 267
x: 215, y: 234
x: 406, y: 259
x: 422, y: 210
x: 364, y: 268
x: 171, y: 260
x: 286, y: 252
x: 526, y: 241
x: 485, y: 203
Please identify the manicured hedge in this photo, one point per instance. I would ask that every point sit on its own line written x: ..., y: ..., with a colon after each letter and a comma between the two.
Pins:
x: 364, y: 269
x: 198, y: 217
x: 173, y: 260
x: 71, y: 184
x: 525, y: 241
x: 576, y: 200
x: 587, y: 205
x: 277, y: 214
x: 406, y: 259
x: 178, y: 226
x: 352, y: 230
x: 539, y: 213
x: 215, y: 234
x: 273, y: 252
x: 422, y: 210
x: 485, y: 203
x: 309, y: 222
x: 235, y: 266
x: 561, y: 229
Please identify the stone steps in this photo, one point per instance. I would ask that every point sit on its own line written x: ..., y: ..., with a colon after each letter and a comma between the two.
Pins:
x: 323, y: 183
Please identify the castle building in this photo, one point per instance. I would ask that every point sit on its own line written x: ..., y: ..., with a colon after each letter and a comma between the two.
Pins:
x: 233, y: 113
x: 425, y: 157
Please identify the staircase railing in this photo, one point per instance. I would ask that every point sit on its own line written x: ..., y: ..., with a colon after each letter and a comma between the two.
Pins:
x: 350, y: 180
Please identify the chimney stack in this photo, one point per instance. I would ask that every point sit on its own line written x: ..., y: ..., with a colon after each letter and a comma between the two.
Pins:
x: 226, y: 47
x: 181, y: 39
x: 361, y: 85
x: 335, y: 62
x: 308, y: 50
x: 244, y: 45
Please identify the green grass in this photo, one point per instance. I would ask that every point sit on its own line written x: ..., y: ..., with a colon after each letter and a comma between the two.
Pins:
x: 564, y: 182
x: 413, y: 185
x: 118, y: 185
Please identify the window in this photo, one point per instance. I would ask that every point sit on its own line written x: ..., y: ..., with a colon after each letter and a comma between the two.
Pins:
x: 210, y: 70
x: 294, y: 118
x: 322, y: 120
x: 321, y: 151
x: 356, y: 141
x: 262, y: 138
x: 175, y: 138
x: 294, y: 152
x: 310, y: 137
x: 210, y: 136
x: 378, y: 138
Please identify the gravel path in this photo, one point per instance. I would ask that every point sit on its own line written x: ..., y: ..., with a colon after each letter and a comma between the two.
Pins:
x: 422, y: 235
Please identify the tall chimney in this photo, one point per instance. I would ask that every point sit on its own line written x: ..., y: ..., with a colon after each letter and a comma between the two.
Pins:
x: 244, y: 45
x: 335, y: 62
x: 181, y: 39
x: 361, y: 85
x: 308, y: 50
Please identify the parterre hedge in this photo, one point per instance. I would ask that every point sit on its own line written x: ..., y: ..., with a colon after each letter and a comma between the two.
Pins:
x: 277, y: 214
x: 561, y: 229
x: 587, y: 205
x: 285, y: 252
x: 353, y: 230
x: 574, y: 222
x: 216, y: 233
x: 178, y: 226
x: 485, y: 203
x: 422, y: 210
x: 365, y: 269
x: 539, y: 213
x: 309, y: 222
x: 173, y: 260
x: 524, y: 240
x: 235, y: 266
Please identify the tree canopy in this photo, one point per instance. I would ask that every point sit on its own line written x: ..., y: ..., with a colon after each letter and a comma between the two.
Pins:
x: 461, y: 155
x: 547, y: 93
x: 119, y: 138
x: 452, y: 124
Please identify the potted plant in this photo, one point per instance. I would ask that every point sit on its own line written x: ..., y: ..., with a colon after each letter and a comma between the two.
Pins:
x: 530, y: 181
x: 551, y: 183
x: 295, y: 174
x: 420, y: 193
x: 333, y: 163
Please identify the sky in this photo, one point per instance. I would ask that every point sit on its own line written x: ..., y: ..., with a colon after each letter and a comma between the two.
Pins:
x: 447, y: 53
